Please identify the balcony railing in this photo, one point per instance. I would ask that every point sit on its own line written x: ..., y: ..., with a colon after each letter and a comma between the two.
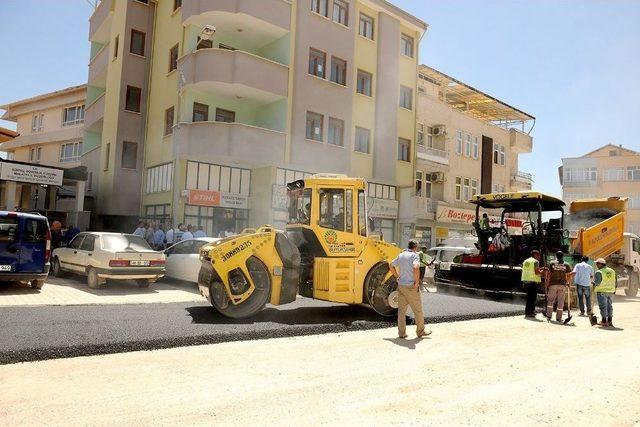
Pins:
x: 99, y: 21
x: 275, y: 12
x: 581, y: 183
x: 433, y: 154
x: 93, y: 114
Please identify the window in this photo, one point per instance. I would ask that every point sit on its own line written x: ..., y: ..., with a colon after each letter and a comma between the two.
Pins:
x: 107, y: 154
x: 362, y: 218
x: 77, y: 241
x: 429, y: 137
x: 406, y: 97
x: 341, y: 12
x: 404, y: 149
x: 173, y: 58
x: 177, y: 4
x: 474, y: 187
x: 467, y: 145
x: 37, y: 123
x: 88, y: 243
x: 420, y: 134
x: 159, y: 213
x: 633, y: 173
x: 73, y: 115
x: 132, y: 101
x: 419, y: 179
x: 362, y: 140
x: 137, y: 42
x: 116, y: 46
x: 317, y: 61
x: 225, y: 116
x: 475, y: 148
x: 321, y: 7
x: 614, y: 174
x: 89, y: 181
x: 300, y: 206
x: 458, y: 142
x: 499, y: 188
x: 338, y: 71
x: 499, y: 154
x: 200, y: 112
x: 381, y: 191
x: 332, y: 209
x: 314, y: 126
x: 168, y: 121
x: 406, y: 45
x: 160, y: 178
x: 458, y: 188
x: 466, y: 189
x: 129, y: 155
x: 204, y: 44
x: 366, y: 26
x: 35, y: 231
x: 336, y: 132
x: 35, y: 154
x: 70, y: 152
x: 364, y: 83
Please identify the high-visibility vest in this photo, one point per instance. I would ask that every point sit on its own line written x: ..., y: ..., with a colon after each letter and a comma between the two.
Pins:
x: 608, y: 283
x: 529, y: 271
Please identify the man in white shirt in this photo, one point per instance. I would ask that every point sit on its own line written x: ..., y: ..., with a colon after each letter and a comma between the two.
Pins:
x: 199, y: 233
x: 169, y: 235
x: 187, y: 234
x: 140, y: 230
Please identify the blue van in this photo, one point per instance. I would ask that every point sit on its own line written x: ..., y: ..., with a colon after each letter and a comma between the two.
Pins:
x: 25, y: 248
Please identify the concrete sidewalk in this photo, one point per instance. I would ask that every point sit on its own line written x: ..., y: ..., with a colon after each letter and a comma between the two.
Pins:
x: 73, y: 290
x: 501, y: 371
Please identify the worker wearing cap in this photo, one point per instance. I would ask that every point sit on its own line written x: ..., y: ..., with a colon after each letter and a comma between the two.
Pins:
x: 531, y: 279
x: 558, y: 280
x: 605, y: 281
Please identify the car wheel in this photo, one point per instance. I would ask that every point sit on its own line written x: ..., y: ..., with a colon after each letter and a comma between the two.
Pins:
x: 143, y: 283
x: 57, y: 270
x: 37, y: 283
x: 92, y: 278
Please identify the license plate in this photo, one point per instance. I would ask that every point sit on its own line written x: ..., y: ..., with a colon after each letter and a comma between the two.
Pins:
x: 445, y: 266
x: 5, y: 268
x: 139, y: 263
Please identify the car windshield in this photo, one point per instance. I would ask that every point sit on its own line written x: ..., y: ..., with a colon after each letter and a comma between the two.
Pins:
x: 126, y: 242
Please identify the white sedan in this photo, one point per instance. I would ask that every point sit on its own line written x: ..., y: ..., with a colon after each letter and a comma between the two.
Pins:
x: 102, y: 256
x: 183, y: 258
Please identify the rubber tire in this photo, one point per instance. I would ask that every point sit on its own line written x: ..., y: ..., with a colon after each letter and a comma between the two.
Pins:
x: 37, y: 283
x: 256, y: 301
x: 143, y: 283
x: 380, y: 270
x: 56, y: 268
x: 92, y: 278
x: 634, y: 280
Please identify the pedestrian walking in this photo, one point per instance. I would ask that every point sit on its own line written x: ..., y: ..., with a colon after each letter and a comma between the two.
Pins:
x: 199, y: 232
x: 583, y: 277
x: 605, y: 281
x: 531, y: 279
x: 558, y: 279
x: 140, y: 230
x: 406, y: 269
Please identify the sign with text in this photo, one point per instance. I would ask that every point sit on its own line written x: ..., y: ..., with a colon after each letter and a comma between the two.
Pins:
x: 454, y: 215
x: 217, y: 199
x: 31, y: 174
x: 382, y: 208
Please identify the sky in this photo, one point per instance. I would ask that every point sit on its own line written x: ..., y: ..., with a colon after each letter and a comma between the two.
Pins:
x: 573, y: 64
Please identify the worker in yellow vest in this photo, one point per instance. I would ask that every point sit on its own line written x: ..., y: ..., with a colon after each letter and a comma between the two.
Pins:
x: 531, y: 279
x: 605, y: 281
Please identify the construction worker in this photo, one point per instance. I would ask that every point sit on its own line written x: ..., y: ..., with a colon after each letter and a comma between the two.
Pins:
x: 558, y: 280
x: 531, y: 279
x: 424, y: 262
x: 605, y: 281
x: 406, y: 269
x: 484, y: 222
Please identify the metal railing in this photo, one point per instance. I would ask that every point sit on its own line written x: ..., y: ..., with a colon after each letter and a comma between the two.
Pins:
x: 524, y: 176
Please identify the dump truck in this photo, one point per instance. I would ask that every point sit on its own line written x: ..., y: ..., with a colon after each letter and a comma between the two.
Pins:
x: 596, y: 229
x: 326, y: 252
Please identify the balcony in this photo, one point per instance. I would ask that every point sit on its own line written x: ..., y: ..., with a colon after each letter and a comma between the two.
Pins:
x: 68, y: 133
x: 433, y: 155
x: 98, y: 68
x: 520, y: 142
x: 271, y: 16
x: 100, y: 21
x: 237, y: 140
x: 581, y: 183
x: 94, y: 114
x: 522, y: 180
x: 235, y: 74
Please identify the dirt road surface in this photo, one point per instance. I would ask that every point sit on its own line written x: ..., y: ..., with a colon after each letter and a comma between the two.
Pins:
x: 501, y: 371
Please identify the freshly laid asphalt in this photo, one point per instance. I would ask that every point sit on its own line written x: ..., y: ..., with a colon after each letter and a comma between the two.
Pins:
x: 48, y: 332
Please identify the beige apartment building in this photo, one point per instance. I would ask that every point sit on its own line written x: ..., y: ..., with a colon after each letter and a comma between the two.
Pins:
x: 200, y: 111
x: 46, y: 152
x: 468, y: 142
x: 611, y: 170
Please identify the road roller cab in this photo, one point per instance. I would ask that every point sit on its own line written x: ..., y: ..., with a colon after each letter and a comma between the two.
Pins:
x: 325, y: 253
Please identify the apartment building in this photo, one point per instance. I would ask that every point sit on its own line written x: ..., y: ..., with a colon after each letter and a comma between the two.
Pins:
x: 468, y: 142
x: 611, y: 170
x: 201, y: 111
x: 49, y: 137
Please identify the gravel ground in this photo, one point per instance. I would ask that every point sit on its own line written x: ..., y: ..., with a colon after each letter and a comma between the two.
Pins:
x: 49, y: 332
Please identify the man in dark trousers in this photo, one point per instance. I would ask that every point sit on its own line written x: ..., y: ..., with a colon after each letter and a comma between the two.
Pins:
x: 531, y: 279
x: 559, y: 279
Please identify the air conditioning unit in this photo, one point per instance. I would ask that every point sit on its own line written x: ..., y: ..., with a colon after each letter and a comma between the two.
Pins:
x: 438, y: 130
x: 437, y: 177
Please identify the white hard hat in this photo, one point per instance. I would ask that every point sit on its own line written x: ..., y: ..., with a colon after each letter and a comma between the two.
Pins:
x: 601, y: 261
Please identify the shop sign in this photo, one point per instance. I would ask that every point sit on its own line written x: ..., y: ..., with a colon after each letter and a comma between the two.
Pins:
x: 453, y: 215
x: 31, y: 174
x: 279, y: 199
x: 382, y: 208
x: 215, y: 198
x: 442, y: 233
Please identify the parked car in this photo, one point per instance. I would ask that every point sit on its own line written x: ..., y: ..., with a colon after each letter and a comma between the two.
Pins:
x: 102, y: 256
x: 25, y: 248
x: 443, y: 256
x: 183, y: 258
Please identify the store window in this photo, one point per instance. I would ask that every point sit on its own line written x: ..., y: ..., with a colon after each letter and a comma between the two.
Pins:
x: 385, y: 227
x: 158, y: 213
x: 217, y: 222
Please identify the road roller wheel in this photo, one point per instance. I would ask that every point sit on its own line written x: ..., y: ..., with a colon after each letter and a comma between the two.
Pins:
x: 377, y: 291
x: 256, y: 301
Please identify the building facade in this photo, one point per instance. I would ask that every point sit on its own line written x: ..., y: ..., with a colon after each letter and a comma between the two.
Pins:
x: 201, y: 111
x: 467, y: 143
x: 50, y: 130
x: 609, y: 171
